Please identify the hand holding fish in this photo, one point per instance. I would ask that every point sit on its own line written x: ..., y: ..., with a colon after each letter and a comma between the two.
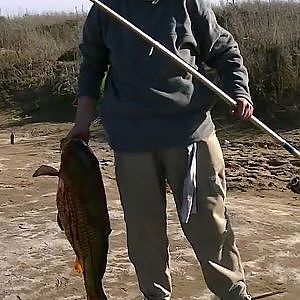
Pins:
x: 79, y: 131
x: 83, y: 119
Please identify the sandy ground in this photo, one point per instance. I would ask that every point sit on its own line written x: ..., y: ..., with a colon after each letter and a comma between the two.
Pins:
x: 36, y: 260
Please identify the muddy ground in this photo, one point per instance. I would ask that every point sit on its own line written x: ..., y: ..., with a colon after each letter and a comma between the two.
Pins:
x: 36, y: 260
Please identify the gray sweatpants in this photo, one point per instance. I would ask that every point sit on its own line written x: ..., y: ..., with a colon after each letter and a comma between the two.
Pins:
x: 142, y: 180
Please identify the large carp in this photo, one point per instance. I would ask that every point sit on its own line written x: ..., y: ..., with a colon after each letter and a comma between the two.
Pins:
x: 82, y: 211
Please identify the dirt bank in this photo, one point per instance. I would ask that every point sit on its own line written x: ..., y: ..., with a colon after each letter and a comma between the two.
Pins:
x: 36, y: 260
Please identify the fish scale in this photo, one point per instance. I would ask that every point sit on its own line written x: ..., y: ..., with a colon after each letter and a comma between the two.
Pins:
x: 82, y: 211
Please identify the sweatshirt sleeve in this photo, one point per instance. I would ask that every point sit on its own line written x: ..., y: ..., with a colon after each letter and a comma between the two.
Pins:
x: 218, y: 49
x: 94, y: 56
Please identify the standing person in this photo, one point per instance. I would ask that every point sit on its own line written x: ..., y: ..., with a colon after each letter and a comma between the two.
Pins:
x: 157, y: 119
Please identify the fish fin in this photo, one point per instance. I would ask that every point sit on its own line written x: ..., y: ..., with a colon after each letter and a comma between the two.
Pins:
x: 45, y: 170
x: 60, y: 225
x: 78, y: 266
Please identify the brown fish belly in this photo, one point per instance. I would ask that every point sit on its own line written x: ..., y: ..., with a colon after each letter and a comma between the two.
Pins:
x: 82, y: 212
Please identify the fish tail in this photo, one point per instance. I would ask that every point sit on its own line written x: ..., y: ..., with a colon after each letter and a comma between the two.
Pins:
x: 93, y: 280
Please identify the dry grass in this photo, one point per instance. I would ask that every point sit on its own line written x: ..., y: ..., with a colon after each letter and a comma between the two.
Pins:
x: 31, y: 47
x: 269, y: 38
x: 268, y: 35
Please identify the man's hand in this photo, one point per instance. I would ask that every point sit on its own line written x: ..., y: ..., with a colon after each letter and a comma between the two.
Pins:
x: 84, y: 116
x: 244, y: 109
x: 81, y: 132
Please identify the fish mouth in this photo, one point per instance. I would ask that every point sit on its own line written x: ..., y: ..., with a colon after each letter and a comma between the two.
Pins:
x: 67, y: 141
x: 64, y: 143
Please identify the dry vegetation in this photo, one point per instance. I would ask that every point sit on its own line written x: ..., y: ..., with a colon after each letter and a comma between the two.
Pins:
x: 269, y: 38
x: 39, y: 53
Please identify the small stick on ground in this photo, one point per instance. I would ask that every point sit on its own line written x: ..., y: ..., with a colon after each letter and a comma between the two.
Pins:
x: 268, y: 295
